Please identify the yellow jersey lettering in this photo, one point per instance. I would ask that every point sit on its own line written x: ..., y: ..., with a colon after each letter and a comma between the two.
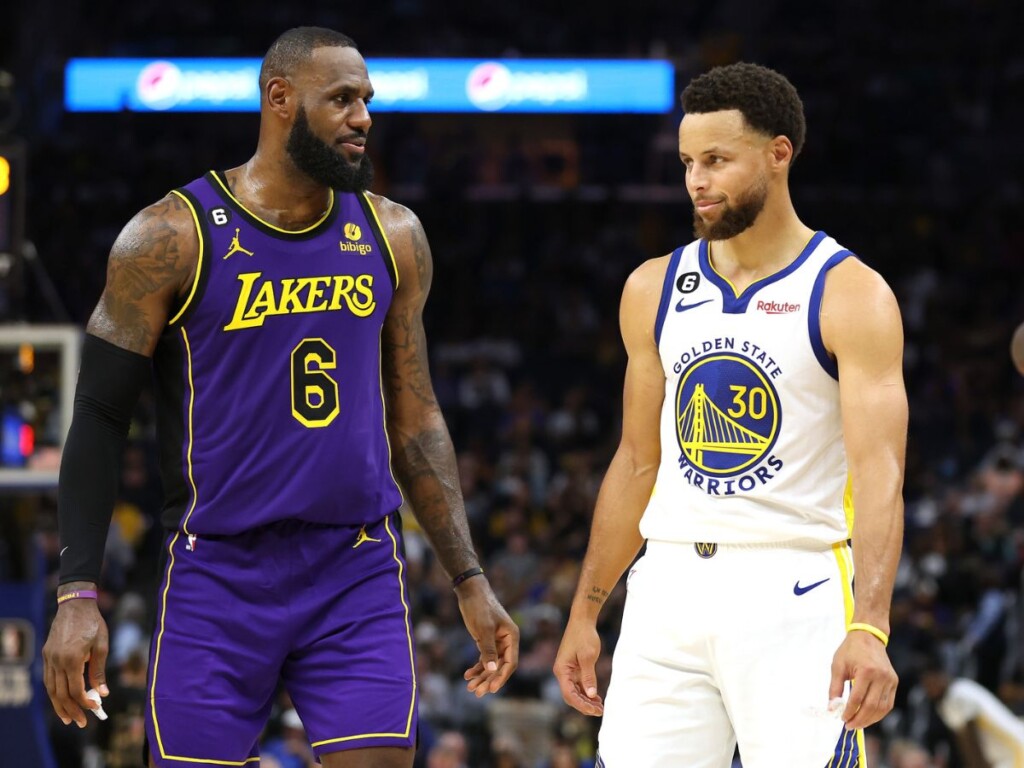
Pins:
x: 317, y: 286
x: 364, y: 287
x: 342, y: 285
x: 263, y: 304
x: 248, y: 280
x: 290, y: 300
x: 299, y: 295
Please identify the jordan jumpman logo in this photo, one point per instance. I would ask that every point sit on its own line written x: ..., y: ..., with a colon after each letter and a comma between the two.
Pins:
x: 362, y: 538
x: 236, y: 247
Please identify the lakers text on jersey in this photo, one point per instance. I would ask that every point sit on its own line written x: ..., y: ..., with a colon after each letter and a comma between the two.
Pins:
x: 269, y: 387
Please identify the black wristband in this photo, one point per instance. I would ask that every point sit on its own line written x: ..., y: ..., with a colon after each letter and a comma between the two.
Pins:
x: 109, y: 382
x: 467, y: 575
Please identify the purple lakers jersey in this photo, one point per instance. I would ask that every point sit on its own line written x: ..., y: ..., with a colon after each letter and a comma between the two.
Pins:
x: 271, y: 404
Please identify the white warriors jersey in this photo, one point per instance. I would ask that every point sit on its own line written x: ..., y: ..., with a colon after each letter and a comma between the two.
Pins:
x: 751, y: 436
x: 1000, y: 732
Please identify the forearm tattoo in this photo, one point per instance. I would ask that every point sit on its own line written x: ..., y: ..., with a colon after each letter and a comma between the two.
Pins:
x: 426, y: 466
x: 423, y: 455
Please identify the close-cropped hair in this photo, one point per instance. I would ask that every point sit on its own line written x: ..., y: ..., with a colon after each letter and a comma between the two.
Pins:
x: 292, y: 49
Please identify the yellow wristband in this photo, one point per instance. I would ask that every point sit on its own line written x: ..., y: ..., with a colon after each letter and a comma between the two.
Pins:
x: 871, y: 631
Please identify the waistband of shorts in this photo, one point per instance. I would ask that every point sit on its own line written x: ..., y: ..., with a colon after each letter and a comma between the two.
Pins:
x: 800, y: 545
x: 287, y: 524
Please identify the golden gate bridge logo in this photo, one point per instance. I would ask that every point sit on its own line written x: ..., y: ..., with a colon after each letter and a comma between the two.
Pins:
x: 727, y: 415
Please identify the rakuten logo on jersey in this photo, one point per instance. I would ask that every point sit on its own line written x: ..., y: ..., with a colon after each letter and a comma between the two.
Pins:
x: 777, y: 308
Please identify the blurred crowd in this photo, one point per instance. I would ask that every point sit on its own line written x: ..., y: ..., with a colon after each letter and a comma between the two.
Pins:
x: 534, y: 223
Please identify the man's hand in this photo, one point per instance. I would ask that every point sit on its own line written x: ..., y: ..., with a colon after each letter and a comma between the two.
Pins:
x: 575, y: 667
x: 496, y: 635
x: 862, y: 659
x: 78, y: 636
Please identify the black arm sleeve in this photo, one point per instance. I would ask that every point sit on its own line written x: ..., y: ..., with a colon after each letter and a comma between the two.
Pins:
x: 109, y: 382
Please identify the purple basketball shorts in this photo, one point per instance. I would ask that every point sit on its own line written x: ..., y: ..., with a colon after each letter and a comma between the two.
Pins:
x: 323, y: 609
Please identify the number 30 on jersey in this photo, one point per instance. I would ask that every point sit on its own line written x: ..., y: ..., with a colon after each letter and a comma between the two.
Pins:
x: 314, y: 392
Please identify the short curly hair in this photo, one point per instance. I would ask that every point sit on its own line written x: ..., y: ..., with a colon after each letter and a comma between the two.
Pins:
x: 768, y: 101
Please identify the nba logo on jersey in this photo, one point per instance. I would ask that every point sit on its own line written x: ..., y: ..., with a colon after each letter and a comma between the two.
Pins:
x: 191, y: 546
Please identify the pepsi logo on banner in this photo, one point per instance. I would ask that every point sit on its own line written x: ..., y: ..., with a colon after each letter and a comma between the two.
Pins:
x: 159, y: 85
x: 489, y: 85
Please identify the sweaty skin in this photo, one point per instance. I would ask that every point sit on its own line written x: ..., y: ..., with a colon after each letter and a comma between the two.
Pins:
x: 152, y: 267
x: 737, y: 179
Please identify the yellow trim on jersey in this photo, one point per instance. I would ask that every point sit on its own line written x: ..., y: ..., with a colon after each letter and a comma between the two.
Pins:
x: 199, y: 263
x: 861, y: 750
x: 384, y: 234
x: 844, y: 559
x: 191, y: 433
x: 156, y: 666
x: 255, y: 759
x: 848, y: 505
x: 412, y: 662
x: 842, y: 552
x: 759, y: 280
x: 159, y: 642
x: 167, y: 587
x: 265, y: 223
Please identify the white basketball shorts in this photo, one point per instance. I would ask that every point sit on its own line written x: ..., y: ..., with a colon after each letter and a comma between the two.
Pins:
x: 727, y: 643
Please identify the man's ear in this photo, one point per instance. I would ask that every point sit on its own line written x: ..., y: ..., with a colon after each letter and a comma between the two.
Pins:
x: 280, y: 96
x: 781, y: 153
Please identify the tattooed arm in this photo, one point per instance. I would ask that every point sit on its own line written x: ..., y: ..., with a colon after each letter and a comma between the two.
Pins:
x: 423, y: 455
x: 152, y: 262
x: 422, y: 451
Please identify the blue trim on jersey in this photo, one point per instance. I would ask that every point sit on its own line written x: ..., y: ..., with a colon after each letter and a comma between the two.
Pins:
x: 814, y: 316
x: 737, y: 305
x: 666, y: 293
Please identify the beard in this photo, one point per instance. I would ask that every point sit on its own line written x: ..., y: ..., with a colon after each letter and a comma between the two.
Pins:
x: 735, y: 218
x: 324, y: 164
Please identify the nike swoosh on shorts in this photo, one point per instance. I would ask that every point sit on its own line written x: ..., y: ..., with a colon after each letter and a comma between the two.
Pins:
x: 798, y: 590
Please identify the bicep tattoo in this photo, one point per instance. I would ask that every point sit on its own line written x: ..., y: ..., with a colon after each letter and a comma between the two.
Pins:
x: 149, y: 263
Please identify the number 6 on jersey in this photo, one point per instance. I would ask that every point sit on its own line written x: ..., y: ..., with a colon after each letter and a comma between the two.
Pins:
x: 314, y: 393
